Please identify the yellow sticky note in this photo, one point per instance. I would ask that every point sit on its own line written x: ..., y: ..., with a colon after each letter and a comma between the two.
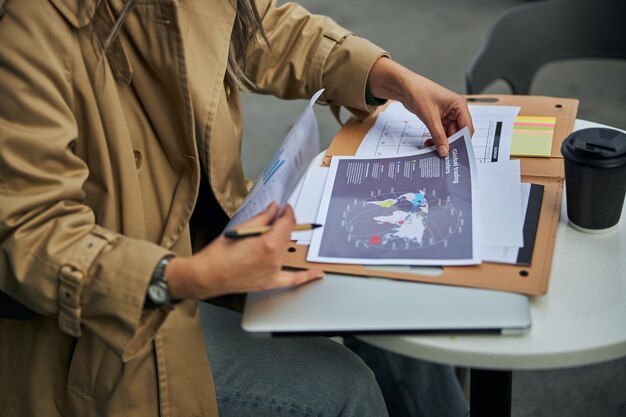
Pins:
x: 532, y: 136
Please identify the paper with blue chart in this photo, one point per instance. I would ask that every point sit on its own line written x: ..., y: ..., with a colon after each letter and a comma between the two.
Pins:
x: 281, y: 175
x: 416, y: 209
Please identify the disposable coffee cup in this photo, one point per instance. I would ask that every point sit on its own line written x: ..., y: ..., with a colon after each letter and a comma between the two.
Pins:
x: 595, y: 178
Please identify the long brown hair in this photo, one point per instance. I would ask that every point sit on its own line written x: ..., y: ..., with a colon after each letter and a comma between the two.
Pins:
x: 245, y: 28
x: 247, y: 25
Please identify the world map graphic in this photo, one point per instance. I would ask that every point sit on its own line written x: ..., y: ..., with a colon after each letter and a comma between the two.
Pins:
x: 402, y: 221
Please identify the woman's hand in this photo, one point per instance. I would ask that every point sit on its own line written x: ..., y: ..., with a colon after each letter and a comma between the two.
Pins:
x: 443, y: 111
x: 227, y: 266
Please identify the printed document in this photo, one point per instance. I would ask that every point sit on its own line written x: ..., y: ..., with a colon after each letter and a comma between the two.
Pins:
x: 397, y: 131
x: 416, y: 209
x: 508, y: 254
x: 307, y: 202
x: 501, y: 208
x: 281, y: 175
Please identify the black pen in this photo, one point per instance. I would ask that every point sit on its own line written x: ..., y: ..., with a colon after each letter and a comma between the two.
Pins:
x: 259, y: 230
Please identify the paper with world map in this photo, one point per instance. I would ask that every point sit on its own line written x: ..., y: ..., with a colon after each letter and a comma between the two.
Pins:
x: 416, y: 209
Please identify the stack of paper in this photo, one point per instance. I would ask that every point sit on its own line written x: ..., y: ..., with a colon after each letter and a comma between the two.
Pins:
x: 397, y: 131
x: 386, y: 210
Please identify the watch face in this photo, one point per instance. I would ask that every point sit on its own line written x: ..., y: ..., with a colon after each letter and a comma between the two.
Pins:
x: 158, y: 294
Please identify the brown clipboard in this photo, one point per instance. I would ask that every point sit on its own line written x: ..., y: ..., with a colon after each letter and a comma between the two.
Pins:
x: 532, y: 279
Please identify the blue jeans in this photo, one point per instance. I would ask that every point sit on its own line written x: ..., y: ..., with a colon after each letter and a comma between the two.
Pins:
x: 318, y: 377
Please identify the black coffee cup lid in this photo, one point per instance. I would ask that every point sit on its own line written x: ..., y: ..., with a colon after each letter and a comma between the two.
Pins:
x: 597, y: 146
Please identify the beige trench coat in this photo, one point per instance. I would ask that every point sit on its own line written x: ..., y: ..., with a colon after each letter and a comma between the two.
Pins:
x: 100, y: 163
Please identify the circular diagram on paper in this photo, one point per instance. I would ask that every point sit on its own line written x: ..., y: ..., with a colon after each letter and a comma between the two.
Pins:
x: 401, y: 221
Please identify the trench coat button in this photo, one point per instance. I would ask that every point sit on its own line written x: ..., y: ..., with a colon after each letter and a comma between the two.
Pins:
x: 138, y: 158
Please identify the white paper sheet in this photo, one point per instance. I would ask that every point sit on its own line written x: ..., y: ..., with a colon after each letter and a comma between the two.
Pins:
x: 500, y: 191
x: 493, y: 132
x: 507, y: 254
x: 416, y: 209
x: 397, y: 131
x: 295, y: 195
x: 281, y: 175
x: 308, y: 202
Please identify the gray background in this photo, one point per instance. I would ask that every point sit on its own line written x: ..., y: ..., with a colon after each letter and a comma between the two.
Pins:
x: 438, y: 39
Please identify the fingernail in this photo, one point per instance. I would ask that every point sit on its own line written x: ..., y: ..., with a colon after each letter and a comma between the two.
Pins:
x: 442, y: 150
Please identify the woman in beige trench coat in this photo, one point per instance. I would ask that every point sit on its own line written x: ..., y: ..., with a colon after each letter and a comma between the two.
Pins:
x: 109, y: 139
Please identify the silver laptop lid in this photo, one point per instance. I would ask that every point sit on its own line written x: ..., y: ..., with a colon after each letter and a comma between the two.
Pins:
x: 340, y: 304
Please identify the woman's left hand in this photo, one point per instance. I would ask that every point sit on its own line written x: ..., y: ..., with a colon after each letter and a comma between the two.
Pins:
x: 443, y: 111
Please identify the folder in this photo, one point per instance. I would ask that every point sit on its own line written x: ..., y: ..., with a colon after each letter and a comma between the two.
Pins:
x: 525, y: 279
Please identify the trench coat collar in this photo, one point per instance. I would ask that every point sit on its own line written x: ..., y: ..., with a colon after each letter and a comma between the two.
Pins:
x: 78, y: 16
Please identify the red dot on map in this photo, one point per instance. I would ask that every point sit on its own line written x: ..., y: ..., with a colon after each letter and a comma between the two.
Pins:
x: 374, y: 240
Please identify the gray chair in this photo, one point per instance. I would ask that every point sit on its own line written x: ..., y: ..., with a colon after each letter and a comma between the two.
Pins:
x: 525, y: 37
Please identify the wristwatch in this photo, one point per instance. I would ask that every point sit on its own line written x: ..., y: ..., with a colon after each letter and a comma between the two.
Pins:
x: 158, y: 294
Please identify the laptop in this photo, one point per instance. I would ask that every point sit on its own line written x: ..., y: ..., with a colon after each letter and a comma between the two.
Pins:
x: 340, y: 305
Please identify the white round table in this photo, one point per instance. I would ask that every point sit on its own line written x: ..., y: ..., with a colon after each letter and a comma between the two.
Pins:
x: 580, y: 320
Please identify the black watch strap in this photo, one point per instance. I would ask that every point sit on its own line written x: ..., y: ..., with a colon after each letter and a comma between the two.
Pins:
x: 158, y: 293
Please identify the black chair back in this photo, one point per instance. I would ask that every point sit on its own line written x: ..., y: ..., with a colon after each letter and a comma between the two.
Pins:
x: 525, y: 37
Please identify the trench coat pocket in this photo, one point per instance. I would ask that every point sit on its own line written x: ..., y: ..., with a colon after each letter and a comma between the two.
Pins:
x: 85, y: 365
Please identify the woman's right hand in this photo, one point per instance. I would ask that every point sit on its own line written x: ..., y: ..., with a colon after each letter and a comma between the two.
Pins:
x: 227, y: 266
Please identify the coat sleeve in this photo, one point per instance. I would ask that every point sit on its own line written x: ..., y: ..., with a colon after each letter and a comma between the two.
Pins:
x: 54, y: 259
x: 307, y: 52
